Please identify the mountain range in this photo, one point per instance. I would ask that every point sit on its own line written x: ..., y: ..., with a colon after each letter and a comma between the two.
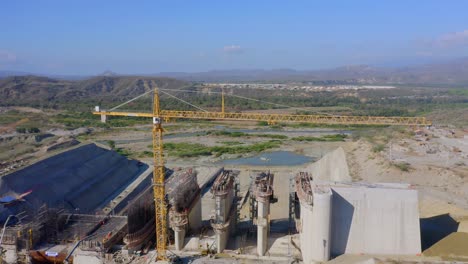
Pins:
x: 454, y: 72
x: 39, y: 90
x: 447, y: 73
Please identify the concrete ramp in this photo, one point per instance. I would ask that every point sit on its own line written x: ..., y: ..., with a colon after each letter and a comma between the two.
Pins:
x: 81, y: 179
x: 332, y: 167
x: 375, y: 219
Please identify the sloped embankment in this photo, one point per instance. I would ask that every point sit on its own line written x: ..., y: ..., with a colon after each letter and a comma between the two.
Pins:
x: 81, y: 179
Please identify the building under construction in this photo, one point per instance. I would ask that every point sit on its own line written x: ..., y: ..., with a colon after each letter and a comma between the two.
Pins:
x: 71, y: 197
x: 184, y: 205
x: 183, y: 195
x: 224, y: 190
x: 71, y: 205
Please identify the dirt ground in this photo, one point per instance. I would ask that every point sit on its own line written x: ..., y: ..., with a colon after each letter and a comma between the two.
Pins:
x: 435, y: 168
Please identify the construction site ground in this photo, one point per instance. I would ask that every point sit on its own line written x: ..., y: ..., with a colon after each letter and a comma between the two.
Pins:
x: 434, y: 162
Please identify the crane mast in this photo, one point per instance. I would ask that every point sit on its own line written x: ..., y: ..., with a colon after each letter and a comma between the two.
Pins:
x: 158, y: 181
x: 159, y: 115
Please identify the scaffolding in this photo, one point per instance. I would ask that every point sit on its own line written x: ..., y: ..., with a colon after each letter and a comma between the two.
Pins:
x: 304, y: 187
x: 140, y: 215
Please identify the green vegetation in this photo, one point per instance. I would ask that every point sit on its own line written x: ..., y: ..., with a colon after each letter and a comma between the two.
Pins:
x: 73, y: 120
x: 334, y: 126
x: 83, y: 95
x: 187, y: 150
x: 325, y: 138
x: 231, y: 143
x: 146, y: 154
x: 24, y: 130
x: 111, y: 144
x: 9, y: 117
x: 378, y: 148
x: 124, y: 152
x: 403, y: 166
x: 458, y: 92
x: 34, y: 120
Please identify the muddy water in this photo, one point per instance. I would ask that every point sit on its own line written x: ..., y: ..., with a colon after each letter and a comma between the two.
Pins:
x: 275, y: 158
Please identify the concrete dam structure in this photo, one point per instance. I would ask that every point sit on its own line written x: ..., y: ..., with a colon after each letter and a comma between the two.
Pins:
x: 341, y: 217
x: 338, y: 219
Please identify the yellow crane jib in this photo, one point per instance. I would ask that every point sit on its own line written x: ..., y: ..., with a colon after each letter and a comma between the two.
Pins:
x: 316, y: 119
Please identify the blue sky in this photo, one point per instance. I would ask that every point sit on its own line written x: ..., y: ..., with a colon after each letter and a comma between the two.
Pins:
x: 89, y: 37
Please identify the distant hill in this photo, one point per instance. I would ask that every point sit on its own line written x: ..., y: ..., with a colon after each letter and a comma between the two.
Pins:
x: 34, y: 90
x: 4, y: 74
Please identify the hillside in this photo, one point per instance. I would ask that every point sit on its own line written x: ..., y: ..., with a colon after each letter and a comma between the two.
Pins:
x: 35, y: 90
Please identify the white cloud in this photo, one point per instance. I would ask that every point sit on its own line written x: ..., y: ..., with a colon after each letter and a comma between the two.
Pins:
x: 7, y: 56
x: 233, y: 49
x: 453, y: 39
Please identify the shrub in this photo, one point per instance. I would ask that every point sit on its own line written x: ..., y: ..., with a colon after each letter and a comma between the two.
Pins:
x: 378, y: 148
x: 403, y: 166
x: 21, y: 130
x: 34, y: 130
x: 111, y: 144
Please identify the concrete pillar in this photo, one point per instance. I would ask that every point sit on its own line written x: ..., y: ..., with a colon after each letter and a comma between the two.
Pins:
x: 262, y: 236
x: 316, y: 228
x: 263, y: 211
x: 179, y: 238
x: 103, y: 118
x: 221, y: 239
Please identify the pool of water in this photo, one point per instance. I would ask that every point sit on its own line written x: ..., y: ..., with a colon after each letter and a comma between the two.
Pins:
x: 279, y: 131
x: 275, y: 158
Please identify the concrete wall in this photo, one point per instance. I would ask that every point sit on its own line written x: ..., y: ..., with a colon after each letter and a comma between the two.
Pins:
x: 332, y: 167
x: 195, y: 216
x: 375, y: 221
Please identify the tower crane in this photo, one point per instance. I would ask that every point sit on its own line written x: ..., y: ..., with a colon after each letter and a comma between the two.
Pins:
x: 158, y: 116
